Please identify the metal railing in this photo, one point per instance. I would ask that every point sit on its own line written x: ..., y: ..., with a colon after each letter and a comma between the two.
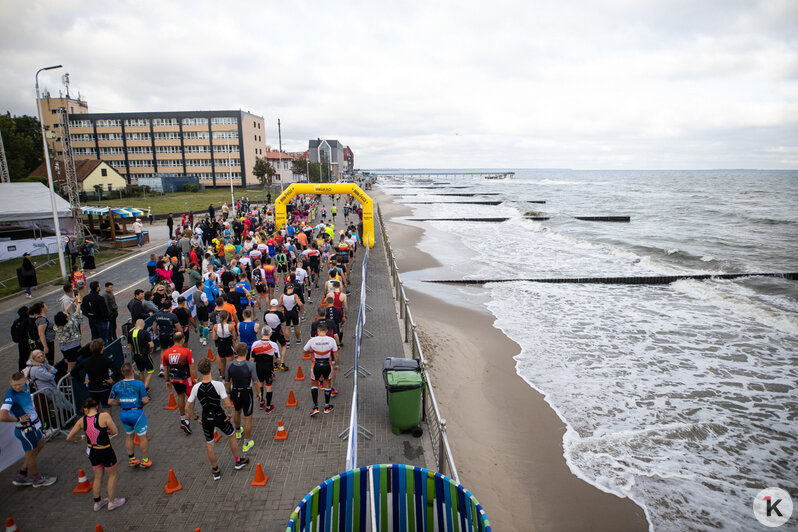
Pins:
x: 432, y: 415
x: 56, y: 407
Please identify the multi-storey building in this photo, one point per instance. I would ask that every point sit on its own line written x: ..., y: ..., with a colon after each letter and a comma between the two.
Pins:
x: 213, y: 146
x: 334, y: 157
x: 282, y: 163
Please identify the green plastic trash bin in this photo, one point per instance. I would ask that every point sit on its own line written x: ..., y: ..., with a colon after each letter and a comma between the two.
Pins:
x: 404, y: 384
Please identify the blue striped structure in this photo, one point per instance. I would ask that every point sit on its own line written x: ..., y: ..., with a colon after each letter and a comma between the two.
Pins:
x: 405, y: 499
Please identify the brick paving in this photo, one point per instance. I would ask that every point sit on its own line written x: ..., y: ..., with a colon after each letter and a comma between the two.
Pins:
x: 312, y: 453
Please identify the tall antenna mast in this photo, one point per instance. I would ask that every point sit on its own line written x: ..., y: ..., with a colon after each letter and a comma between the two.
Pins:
x: 4, y: 175
x: 71, y: 177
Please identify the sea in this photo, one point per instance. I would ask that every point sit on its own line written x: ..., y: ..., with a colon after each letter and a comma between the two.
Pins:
x: 681, y: 396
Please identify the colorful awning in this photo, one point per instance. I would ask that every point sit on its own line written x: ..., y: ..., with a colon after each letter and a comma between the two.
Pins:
x: 121, y: 212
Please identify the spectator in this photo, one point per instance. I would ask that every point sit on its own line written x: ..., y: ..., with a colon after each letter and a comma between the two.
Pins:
x: 136, y: 306
x: 44, y: 335
x: 113, y: 310
x: 87, y: 254
x: 138, y: 229
x: 27, y: 275
x: 95, y: 309
x: 149, y: 304
x: 42, y: 377
x: 150, y: 217
x: 67, y: 333
x: 20, y: 335
x: 170, y: 223
x: 98, y: 367
x: 67, y: 298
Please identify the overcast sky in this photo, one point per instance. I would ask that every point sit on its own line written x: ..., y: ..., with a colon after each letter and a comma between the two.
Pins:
x: 608, y: 84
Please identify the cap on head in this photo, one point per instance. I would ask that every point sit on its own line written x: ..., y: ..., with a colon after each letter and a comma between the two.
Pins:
x: 273, y: 302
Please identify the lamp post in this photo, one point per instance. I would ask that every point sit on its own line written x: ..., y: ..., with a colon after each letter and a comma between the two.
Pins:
x: 56, y: 221
x: 230, y: 173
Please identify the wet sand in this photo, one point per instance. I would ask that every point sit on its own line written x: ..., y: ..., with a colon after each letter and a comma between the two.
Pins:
x: 506, y: 440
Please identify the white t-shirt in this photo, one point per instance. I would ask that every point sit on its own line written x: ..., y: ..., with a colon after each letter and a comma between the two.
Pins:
x: 301, y: 275
x: 322, y: 347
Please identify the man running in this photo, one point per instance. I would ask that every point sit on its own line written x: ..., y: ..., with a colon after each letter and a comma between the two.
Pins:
x: 241, y: 374
x: 181, y: 374
x: 273, y: 317
x: 211, y: 395
x: 324, y: 355
x: 131, y: 396
x: 291, y: 306
x: 141, y: 344
x: 18, y: 408
x: 264, y: 352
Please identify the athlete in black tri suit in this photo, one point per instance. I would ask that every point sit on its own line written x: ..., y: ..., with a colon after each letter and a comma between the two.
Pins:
x: 241, y: 374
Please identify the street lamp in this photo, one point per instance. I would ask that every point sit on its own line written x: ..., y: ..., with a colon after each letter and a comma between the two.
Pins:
x: 56, y: 221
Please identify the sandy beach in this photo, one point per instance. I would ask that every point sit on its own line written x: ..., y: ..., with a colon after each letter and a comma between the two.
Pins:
x: 506, y: 440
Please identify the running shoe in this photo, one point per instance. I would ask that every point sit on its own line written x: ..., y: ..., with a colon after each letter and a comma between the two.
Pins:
x: 116, y: 503
x: 217, y: 473
x: 145, y: 464
x: 99, y: 504
x: 288, y: 343
x: 276, y: 366
x: 333, y: 392
x: 283, y: 367
x: 184, y: 424
x: 268, y: 408
x: 328, y: 408
x: 241, y: 463
x: 262, y: 403
x: 133, y: 462
x: 314, y: 411
x: 247, y: 446
x: 44, y: 481
x: 239, y: 432
x: 160, y: 374
x: 22, y: 481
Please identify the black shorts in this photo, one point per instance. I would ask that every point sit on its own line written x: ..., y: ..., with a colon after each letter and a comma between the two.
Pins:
x: 261, y: 288
x: 101, y: 396
x: 292, y: 318
x: 225, y: 347
x: 282, y: 268
x: 166, y: 341
x: 221, y: 422
x: 314, y: 266
x: 242, y: 400
x: 264, y: 365
x: 71, y: 355
x: 144, y: 363
x: 278, y: 336
x: 202, y: 313
x: 299, y: 290
x: 321, y: 371
x: 102, y: 458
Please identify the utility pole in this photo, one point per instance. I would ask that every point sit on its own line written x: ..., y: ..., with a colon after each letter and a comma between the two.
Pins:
x: 280, y: 140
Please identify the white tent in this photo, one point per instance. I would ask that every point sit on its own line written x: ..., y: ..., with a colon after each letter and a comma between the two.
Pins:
x: 26, y: 219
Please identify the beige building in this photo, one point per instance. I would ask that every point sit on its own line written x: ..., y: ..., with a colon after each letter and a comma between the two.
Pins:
x: 209, y: 145
x: 90, y: 172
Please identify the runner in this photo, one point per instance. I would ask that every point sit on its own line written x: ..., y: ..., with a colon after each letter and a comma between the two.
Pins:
x: 248, y: 331
x: 264, y: 352
x: 211, y: 394
x: 291, y: 305
x: 259, y: 280
x: 282, y: 264
x: 224, y: 335
x: 18, y: 408
x: 141, y: 344
x: 201, y: 305
x: 244, y: 292
x: 274, y: 318
x: 184, y: 317
x: 131, y: 396
x: 324, y: 352
x: 98, y: 426
x: 179, y: 365
x: 240, y: 376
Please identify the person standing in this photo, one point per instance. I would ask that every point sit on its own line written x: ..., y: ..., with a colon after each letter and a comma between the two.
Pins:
x: 170, y: 223
x: 27, y: 275
x: 150, y: 217
x: 240, y: 375
x: 142, y: 346
x: 95, y: 309
x: 20, y: 335
x: 131, y: 396
x: 99, y: 427
x: 324, y: 355
x: 45, y: 333
x: 212, y: 395
x: 67, y: 332
x: 178, y: 364
x: 138, y: 229
x: 136, y: 306
x: 211, y: 212
x: 113, y: 310
x: 87, y: 255
x: 98, y: 368
x: 18, y: 408
x: 264, y: 352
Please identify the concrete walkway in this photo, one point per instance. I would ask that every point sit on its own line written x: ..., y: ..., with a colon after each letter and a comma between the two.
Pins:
x: 311, y: 454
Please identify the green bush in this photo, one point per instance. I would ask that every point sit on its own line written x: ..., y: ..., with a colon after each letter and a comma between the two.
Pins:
x: 190, y: 187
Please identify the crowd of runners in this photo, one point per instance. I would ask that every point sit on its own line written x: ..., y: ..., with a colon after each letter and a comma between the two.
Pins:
x: 242, y: 285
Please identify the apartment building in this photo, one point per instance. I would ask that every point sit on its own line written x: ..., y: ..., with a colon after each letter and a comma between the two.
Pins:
x: 214, y: 146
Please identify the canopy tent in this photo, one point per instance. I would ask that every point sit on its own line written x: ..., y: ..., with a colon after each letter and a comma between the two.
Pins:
x: 109, y: 229
x: 26, y: 220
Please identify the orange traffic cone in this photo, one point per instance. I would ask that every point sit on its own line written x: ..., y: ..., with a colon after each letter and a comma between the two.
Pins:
x: 299, y: 375
x: 216, y: 437
x: 84, y: 486
x: 11, y: 526
x: 98, y: 528
x: 291, y: 399
x: 172, y: 403
x: 137, y: 441
x: 210, y: 355
x: 305, y: 356
x: 172, y: 485
x: 260, y: 479
x: 282, y: 434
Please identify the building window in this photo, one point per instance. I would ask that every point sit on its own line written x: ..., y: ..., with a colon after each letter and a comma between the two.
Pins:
x: 165, y: 122
x: 103, y: 172
x: 110, y: 187
x: 137, y: 136
x: 195, y: 121
x: 225, y: 134
x: 80, y: 123
x: 109, y: 123
x: 196, y: 135
x: 224, y: 121
x: 137, y: 122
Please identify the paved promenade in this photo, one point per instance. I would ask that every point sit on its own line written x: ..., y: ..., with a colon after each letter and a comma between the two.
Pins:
x: 312, y: 453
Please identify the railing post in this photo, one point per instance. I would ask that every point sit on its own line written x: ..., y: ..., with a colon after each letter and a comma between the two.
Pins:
x: 441, y: 445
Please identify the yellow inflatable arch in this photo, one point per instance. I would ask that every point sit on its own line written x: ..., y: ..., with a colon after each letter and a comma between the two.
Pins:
x: 328, y: 188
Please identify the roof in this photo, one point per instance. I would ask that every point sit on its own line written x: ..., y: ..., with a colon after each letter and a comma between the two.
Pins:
x: 332, y: 143
x: 29, y: 201
x: 83, y: 168
x: 278, y: 155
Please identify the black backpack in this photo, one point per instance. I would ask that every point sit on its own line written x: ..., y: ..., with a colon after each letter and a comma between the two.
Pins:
x: 19, y: 330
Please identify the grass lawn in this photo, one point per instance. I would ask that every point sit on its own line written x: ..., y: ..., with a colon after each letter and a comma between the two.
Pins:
x: 180, y: 202
x: 48, y: 273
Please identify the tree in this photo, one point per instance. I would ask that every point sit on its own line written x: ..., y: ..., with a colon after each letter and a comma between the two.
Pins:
x: 299, y: 168
x: 315, y: 171
x: 22, y: 139
x: 264, y: 171
x: 99, y: 190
